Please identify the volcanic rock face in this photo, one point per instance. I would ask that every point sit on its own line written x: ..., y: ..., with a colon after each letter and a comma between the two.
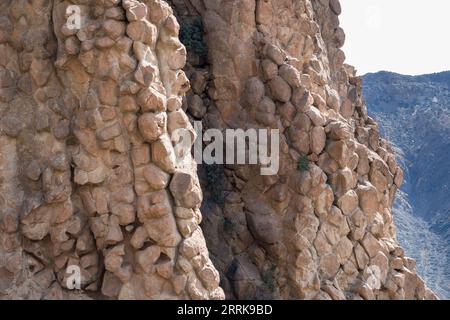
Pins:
x: 88, y: 170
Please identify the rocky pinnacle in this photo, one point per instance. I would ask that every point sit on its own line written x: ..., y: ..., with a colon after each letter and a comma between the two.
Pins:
x: 91, y: 92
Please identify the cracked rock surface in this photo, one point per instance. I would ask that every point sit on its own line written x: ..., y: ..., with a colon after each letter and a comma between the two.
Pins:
x: 88, y: 175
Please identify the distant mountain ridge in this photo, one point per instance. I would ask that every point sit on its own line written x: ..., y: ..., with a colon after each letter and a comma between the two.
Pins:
x: 414, y: 115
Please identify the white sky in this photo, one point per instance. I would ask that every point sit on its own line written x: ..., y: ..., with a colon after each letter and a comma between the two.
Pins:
x: 404, y: 36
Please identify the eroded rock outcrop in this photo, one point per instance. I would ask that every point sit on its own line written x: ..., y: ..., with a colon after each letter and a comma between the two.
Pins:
x: 322, y: 228
x: 88, y: 170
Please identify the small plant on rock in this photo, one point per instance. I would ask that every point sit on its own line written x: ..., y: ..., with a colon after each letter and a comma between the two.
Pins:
x: 303, y: 163
x: 191, y: 35
x: 269, y: 278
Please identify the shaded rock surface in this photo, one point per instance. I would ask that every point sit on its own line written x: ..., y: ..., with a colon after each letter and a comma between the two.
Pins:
x: 322, y: 228
x: 86, y: 159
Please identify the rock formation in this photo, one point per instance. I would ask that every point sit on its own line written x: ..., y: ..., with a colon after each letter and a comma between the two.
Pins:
x: 88, y: 171
x: 87, y: 165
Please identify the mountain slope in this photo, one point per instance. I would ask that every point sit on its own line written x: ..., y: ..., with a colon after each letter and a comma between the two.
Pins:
x: 414, y: 114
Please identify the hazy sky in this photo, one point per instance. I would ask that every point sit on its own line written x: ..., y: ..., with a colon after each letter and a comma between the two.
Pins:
x: 403, y: 36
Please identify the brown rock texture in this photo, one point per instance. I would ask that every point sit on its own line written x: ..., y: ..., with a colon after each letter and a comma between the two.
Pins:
x: 88, y: 175
x: 322, y: 228
x: 87, y: 167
